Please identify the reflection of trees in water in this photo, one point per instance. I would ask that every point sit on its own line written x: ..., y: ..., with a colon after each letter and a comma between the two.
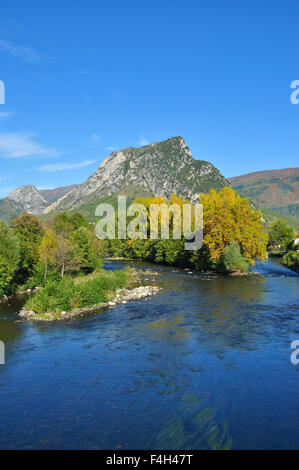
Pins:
x: 9, y: 329
x: 170, y: 328
x: 228, y: 313
x: 227, y: 290
x: 194, y: 426
x: 224, y: 313
x: 174, y: 418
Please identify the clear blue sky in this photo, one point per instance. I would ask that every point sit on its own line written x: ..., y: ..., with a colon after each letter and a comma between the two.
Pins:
x: 85, y: 77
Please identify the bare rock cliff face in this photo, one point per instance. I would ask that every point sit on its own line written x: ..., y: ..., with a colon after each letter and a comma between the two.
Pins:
x: 161, y: 168
x: 29, y: 198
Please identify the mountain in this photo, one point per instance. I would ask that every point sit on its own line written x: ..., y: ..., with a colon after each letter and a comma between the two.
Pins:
x: 276, y: 190
x: 10, y: 209
x: 51, y: 195
x: 160, y: 168
x: 29, y: 199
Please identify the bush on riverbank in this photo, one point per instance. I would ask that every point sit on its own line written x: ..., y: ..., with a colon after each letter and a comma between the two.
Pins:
x: 291, y: 260
x: 281, y: 243
x: 233, y: 259
x: 69, y: 293
x: 280, y: 237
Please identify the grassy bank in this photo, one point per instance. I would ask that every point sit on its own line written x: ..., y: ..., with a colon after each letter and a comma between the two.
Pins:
x: 71, y: 294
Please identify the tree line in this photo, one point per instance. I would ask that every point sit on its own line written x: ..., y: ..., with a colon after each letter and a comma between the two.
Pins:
x: 32, y: 251
x: 233, y: 236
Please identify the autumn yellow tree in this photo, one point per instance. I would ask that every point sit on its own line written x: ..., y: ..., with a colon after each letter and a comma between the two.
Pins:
x: 228, y: 216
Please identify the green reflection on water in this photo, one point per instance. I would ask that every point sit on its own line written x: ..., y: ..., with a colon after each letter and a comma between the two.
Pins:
x: 198, y: 430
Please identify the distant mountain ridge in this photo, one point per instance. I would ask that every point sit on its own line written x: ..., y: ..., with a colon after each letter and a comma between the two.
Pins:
x: 29, y: 199
x: 51, y: 195
x: 277, y: 190
x: 160, y: 168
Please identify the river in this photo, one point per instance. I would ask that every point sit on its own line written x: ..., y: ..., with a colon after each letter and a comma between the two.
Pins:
x: 205, y: 364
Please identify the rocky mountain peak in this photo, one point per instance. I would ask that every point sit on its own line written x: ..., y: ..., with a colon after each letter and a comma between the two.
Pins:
x: 29, y: 198
x: 160, y: 168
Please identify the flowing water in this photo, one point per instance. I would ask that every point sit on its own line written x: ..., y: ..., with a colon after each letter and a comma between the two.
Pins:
x: 205, y: 364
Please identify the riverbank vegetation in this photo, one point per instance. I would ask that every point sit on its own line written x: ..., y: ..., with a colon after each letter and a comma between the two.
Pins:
x: 32, y: 253
x: 60, y: 259
x: 291, y: 259
x: 233, y: 236
x: 42, y: 253
x: 73, y: 294
x: 280, y: 237
x: 281, y: 243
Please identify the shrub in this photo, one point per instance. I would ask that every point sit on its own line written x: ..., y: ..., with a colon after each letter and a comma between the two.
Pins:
x: 280, y: 235
x: 67, y: 293
x: 233, y: 259
x: 291, y: 260
x: 38, y: 277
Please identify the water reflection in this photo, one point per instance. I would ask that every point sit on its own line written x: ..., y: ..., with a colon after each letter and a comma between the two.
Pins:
x: 204, y: 364
x: 198, y: 430
x: 10, y: 330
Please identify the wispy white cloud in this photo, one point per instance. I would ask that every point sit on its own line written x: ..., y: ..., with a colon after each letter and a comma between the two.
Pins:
x: 24, y: 53
x: 82, y: 72
x: 111, y: 149
x: 95, y: 137
x: 13, y: 23
x: 6, y: 114
x: 65, y: 166
x: 18, y: 145
x: 142, y: 141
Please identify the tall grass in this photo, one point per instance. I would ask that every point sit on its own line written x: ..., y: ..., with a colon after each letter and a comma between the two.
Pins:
x: 69, y: 294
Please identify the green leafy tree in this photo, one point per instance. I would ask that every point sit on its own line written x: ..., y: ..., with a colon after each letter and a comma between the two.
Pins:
x: 77, y: 247
x: 9, y: 258
x: 81, y: 241
x: 29, y: 231
x: 65, y: 224
x: 280, y: 235
x: 291, y: 260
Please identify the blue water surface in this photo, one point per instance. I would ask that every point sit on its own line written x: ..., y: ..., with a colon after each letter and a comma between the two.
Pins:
x: 205, y: 364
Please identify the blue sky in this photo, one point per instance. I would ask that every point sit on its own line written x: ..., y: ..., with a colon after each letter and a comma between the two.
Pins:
x: 83, y: 78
